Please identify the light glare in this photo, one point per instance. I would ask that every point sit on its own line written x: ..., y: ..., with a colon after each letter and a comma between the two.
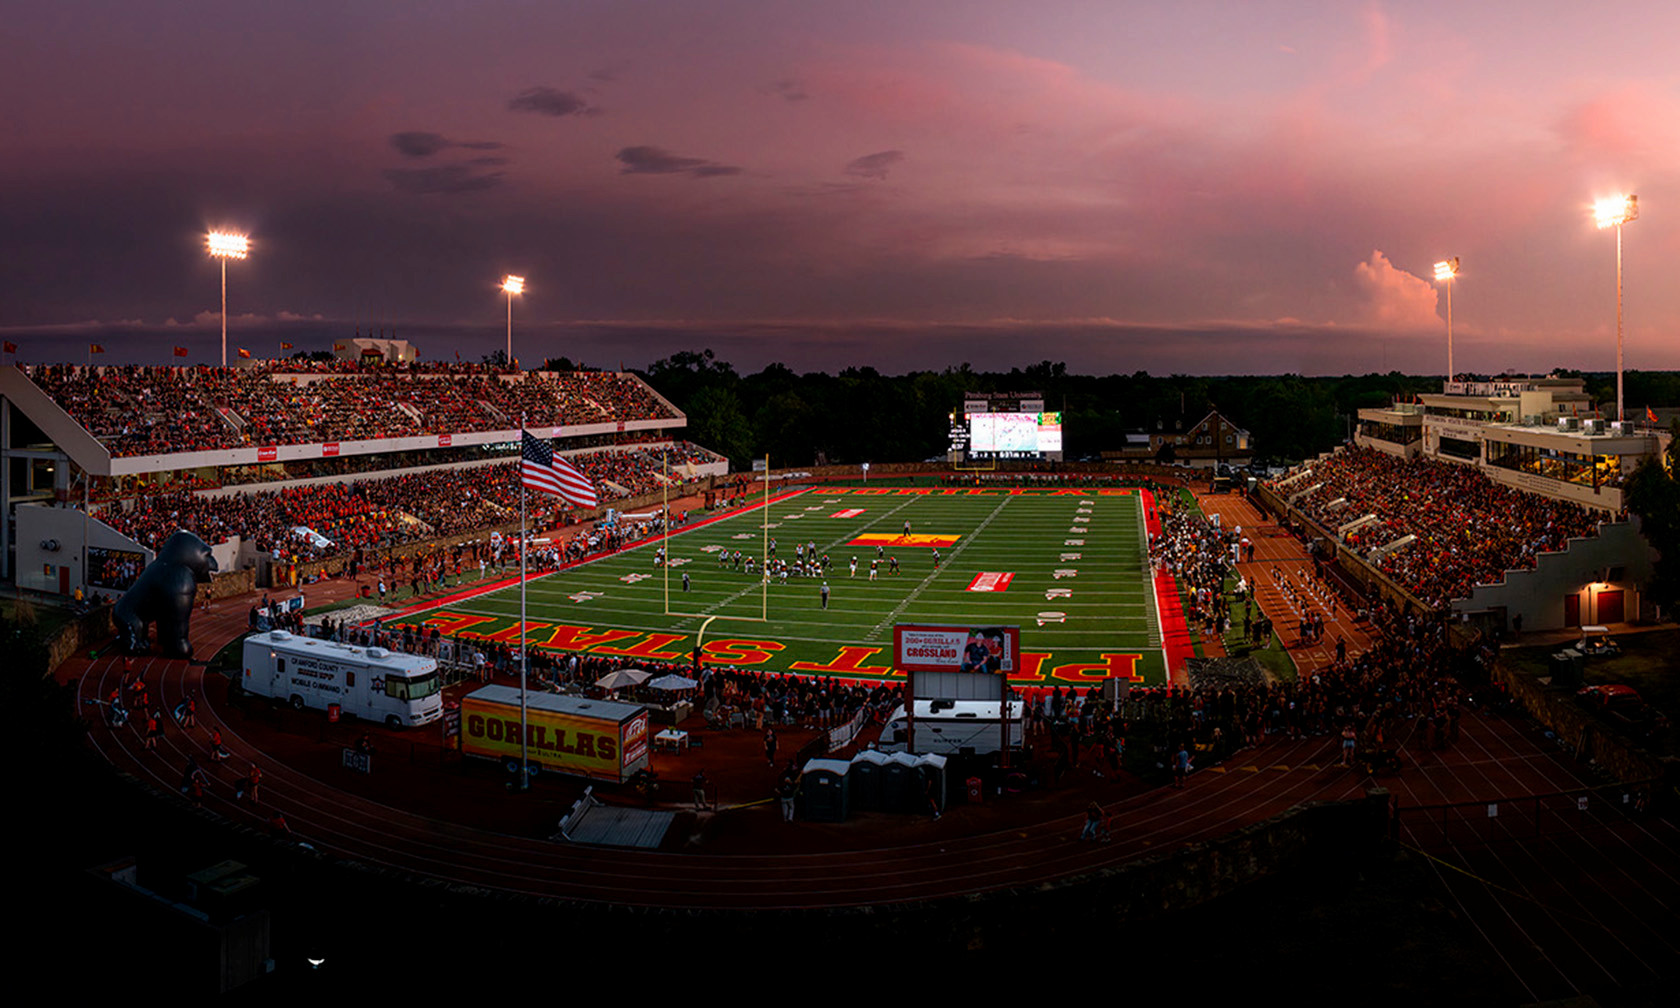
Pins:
x: 1446, y: 269
x: 513, y: 284
x: 1615, y: 211
x: 226, y: 245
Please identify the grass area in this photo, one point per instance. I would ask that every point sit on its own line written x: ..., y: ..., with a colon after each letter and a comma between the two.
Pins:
x: 1646, y: 663
x: 1076, y: 585
x: 50, y: 618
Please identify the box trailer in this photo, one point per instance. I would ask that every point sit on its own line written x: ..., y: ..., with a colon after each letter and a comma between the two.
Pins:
x: 601, y: 739
x: 956, y: 726
x: 400, y: 690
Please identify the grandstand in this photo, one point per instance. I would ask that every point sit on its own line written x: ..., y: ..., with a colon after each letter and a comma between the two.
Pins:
x: 1494, y: 500
x: 300, y: 460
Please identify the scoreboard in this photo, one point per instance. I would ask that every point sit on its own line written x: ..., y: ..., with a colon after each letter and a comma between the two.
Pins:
x: 1005, y: 425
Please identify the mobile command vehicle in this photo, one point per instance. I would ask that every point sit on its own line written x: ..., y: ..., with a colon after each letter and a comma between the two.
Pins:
x: 602, y: 739
x: 372, y: 683
x: 954, y: 727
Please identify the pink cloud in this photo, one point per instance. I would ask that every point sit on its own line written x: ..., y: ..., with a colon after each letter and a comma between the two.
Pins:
x: 1393, y: 298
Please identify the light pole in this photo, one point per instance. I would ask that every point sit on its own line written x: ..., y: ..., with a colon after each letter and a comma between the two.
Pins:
x: 1445, y: 270
x: 1614, y: 212
x: 225, y: 245
x: 512, y: 285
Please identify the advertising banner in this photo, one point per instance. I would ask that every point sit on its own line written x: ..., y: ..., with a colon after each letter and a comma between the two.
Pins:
x: 956, y: 648
x: 634, y: 742
x: 583, y: 746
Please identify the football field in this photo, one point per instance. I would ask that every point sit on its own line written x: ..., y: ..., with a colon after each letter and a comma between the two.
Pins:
x: 1069, y: 567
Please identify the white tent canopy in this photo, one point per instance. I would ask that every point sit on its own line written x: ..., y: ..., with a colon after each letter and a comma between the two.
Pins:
x: 622, y: 678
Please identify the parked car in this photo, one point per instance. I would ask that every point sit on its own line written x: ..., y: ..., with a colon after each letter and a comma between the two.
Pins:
x: 1622, y: 706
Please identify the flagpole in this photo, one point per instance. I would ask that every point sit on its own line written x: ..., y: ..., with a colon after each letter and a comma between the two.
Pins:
x: 764, y: 598
x: 665, y: 518
x: 524, y: 730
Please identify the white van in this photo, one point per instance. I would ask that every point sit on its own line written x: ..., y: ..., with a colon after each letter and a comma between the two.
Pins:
x: 956, y: 726
x: 372, y: 683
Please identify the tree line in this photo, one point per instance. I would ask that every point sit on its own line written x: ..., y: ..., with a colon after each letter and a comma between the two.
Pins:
x: 861, y: 415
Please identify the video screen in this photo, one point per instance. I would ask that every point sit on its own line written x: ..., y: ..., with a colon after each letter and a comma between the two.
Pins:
x: 109, y: 568
x: 1014, y: 435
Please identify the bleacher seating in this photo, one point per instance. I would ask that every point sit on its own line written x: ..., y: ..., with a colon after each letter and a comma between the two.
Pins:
x: 1469, y: 529
x: 161, y: 410
x: 377, y: 512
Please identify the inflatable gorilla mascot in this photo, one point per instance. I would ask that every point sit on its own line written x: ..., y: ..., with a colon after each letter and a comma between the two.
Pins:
x: 163, y: 593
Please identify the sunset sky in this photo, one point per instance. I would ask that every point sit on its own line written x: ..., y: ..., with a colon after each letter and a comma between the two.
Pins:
x: 1200, y: 187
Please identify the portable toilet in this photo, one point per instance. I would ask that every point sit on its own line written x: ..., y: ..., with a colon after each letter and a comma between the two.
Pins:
x: 932, y: 768
x: 901, y: 784
x: 823, y: 790
x: 868, y: 769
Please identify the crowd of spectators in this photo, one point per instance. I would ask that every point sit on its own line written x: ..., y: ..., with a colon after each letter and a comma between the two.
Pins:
x: 1408, y: 689
x: 1199, y: 556
x: 136, y: 410
x: 1469, y: 530
x: 380, y: 512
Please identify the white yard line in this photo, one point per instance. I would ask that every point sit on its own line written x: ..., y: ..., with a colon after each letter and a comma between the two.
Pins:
x: 891, y: 617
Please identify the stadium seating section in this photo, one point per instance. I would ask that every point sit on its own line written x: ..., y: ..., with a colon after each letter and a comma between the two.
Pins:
x: 160, y: 410
x: 385, y: 511
x: 1469, y: 529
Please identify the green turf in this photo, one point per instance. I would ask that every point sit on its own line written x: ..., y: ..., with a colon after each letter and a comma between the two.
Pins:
x: 617, y: 605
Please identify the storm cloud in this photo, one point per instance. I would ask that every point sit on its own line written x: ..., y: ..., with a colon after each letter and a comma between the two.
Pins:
x: 874, y: 166
x: 419, y: 144
x: 549, y: 102
x: 658, y: 161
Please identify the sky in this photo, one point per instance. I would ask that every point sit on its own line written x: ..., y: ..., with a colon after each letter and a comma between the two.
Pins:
x: 1198, y: 187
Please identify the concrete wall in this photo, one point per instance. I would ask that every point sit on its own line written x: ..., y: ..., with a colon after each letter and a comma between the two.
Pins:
x: 1538, y: 594
x: 38, y: 567
x: 37, y: 523
x: 1405, y: 451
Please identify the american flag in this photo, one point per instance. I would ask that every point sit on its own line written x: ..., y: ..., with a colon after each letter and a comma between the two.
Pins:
x: 539, y: 470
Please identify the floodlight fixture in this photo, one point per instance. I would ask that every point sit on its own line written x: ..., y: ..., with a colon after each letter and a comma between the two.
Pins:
x: 225, y: 245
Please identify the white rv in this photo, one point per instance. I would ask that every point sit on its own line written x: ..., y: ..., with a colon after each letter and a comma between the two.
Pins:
x: 371, y: 683
x: 956, y: 726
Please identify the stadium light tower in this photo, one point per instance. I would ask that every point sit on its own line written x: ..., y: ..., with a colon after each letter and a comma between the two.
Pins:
x: 512, y: 285
x: 225, y: 245
x: 1445, y: 270
x: 1614, y: 212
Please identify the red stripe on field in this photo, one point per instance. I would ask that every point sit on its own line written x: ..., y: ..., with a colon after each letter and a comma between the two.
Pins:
x: 1150, y: 522
x: 1175, y: 632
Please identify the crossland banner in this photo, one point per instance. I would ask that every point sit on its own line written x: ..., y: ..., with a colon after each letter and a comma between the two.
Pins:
x: 920, y: 648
